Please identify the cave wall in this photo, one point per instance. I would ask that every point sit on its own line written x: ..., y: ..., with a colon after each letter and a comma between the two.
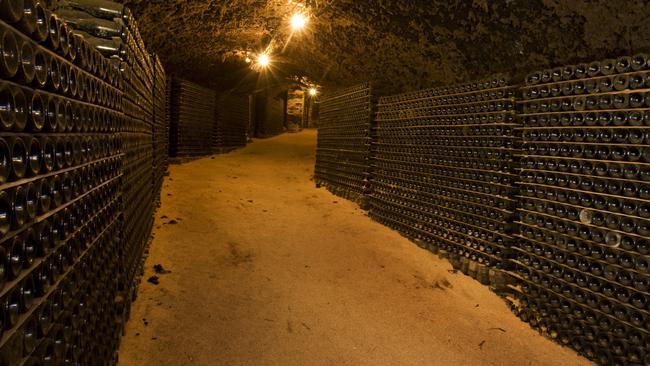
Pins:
x: 398, y: 44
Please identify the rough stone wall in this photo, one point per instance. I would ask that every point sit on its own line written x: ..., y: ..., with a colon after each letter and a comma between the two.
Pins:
x: 295, y: 108
x: 398, y: 44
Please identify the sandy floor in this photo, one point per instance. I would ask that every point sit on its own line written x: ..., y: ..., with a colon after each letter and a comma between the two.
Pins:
x: 268, y: 270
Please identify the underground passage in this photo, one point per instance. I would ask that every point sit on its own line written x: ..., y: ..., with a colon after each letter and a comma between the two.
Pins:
x: 324, y: 182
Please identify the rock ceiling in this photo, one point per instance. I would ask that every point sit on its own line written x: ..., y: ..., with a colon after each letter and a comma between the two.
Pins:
x: 397, y: 44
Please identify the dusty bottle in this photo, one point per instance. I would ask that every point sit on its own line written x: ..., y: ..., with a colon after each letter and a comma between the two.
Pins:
x: 98, y: 8
x: 41, y: 67
x: 7, y: 108
x: 18, y: 152
x: 27, y: 68
x: 101, y: 28
x: 41, y: 30
x: 34, y: 157
x: 31, y: 201
x: 27, y: 23
x: 10, y: 56
x: 45, y: 196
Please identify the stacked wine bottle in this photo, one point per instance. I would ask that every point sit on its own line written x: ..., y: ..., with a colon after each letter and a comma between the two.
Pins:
x: 137, y: 143
x: 60, y: 192
x: 100, y: 22
x: 444, y: 169
x: 160, y: 126
x: 343, y: 150
x: 233, y: 120
x: 582, y: 252
x: 193, y: 119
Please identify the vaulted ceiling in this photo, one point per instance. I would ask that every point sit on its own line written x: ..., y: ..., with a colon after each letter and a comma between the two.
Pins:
x: 397, y: 44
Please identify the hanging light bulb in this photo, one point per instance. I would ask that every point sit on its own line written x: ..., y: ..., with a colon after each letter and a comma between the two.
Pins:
x: 263, y: 60
x: 298, y: 21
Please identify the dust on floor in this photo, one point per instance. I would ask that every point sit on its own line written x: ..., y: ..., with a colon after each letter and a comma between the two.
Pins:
x: 268, y: 270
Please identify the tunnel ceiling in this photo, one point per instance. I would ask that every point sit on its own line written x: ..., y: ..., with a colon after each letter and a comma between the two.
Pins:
x: 397, y: 44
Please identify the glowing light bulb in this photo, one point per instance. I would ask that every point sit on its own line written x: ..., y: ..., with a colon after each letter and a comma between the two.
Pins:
x: 298, y: 21
x: 264, y: 60
x: 313, y: 92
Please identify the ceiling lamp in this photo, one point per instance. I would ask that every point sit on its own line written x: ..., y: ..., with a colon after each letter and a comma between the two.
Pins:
x: 263, y: 60
x: 298, y: 21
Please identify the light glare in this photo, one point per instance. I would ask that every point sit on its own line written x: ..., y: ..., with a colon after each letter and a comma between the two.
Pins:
x: 298, y: 21
x: 264, y: 60
x: 313, y: 92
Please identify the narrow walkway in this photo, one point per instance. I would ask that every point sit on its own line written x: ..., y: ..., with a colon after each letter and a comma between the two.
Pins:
x: 268, y: 270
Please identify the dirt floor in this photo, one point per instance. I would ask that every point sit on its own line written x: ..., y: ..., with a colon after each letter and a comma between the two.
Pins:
x: 268, y: 270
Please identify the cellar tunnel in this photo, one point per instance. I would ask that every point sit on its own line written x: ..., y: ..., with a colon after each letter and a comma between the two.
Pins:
x: 324, y: 182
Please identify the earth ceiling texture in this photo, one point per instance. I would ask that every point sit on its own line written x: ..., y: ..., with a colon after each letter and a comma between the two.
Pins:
x: 399, y: 45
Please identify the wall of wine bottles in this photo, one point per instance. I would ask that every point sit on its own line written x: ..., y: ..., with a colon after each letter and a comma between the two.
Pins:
x: 77, y: 181
x: 109, y: 27
x: 204, y: 123
x: 444, y: 168
x: 546, y: 182
x: 582, y: 254
x: 137, y: 137
x: 60, y: 188
x: 233, y: 121
x: 343, y: 149
x: 160, y: 125
x: 193, y: 119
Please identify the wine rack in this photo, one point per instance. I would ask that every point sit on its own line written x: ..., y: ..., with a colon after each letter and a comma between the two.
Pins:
x: 582, y: 250
x: 160, y: 125
x: 137, y: 136
x: 109, y: 28
x: 193, y: 119
x: 76, y: 179
x: 61, y: 172
x: 444, y: 167
x: 343, y: 149
x: 232, y: 123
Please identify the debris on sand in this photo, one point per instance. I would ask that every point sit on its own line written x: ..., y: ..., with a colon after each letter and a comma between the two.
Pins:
x: 158, y: 268
x: 154, y: 279
x: 498, y: 328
